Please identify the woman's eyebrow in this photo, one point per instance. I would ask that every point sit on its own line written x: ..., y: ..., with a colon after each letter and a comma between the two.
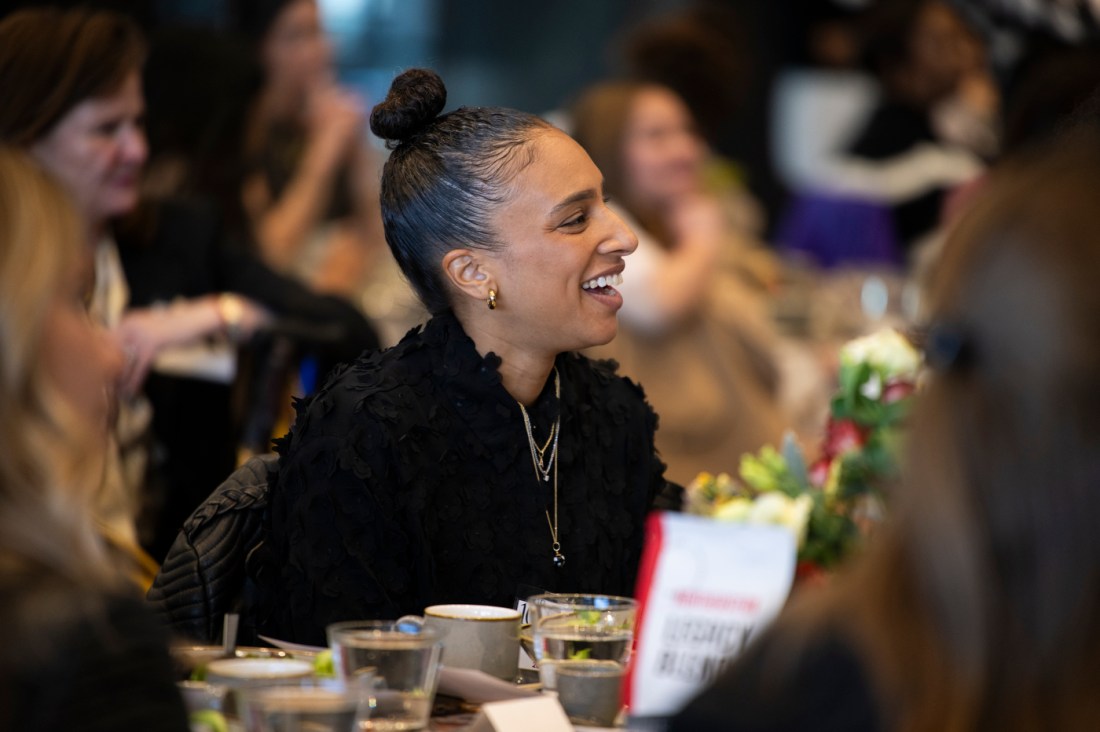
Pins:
x: 586, y: 195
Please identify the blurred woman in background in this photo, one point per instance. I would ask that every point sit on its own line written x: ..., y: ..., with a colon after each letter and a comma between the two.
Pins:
x: 310, y: 178
x: 978, y: 606
x: 78, y: 653
x: 179, y: 297
x: 695, y: 325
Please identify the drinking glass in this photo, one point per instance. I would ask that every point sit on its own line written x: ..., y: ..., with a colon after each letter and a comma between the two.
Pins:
x: 308, y: 705
x: 580, y: 628
x: 404, y: 661
x: 591, y: 692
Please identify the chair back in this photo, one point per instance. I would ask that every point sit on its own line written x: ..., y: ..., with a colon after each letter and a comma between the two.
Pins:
x: 204, y: 575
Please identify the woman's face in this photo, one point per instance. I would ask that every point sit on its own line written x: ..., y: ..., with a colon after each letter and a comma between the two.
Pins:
x: 296, y: 53
x: 662, y: 152
x: 941, y: 50
x: 79, y: 358
x: 560, y: 239
x: 97, y: 151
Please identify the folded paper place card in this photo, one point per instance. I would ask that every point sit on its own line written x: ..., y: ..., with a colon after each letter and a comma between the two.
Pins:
x: 705, y: 587
x: 537, y: 714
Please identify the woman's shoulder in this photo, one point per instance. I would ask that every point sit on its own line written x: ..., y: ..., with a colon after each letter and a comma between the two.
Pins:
x: 381, y: 387
x: 598, y: 381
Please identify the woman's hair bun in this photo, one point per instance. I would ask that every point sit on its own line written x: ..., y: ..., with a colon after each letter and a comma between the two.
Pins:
x: 416, y: 97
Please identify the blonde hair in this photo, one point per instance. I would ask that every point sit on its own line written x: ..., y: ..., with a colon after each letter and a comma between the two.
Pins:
x: 48, y: 451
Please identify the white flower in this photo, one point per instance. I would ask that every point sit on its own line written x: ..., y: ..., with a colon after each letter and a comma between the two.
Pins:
x: 887, y: 352
x: 872, y: 388
x: 735, y: 509
x: 772, y: 508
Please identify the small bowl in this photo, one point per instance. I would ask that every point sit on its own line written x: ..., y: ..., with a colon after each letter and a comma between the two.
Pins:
x: 191, y: 661
x: 237, y: 671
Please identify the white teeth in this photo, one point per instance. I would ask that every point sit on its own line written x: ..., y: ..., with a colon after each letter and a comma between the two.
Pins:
x: 605, y: 281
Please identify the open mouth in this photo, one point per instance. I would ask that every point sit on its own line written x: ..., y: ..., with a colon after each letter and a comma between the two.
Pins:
x: 603, y: 285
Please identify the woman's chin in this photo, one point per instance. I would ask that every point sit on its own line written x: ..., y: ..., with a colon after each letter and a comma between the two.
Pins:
x: 600, y: 337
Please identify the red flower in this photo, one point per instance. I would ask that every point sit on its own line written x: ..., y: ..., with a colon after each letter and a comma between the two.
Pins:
x: 810, y: 574
x: 819, y: 472
x: 896, y: 391
x: 841, y: 436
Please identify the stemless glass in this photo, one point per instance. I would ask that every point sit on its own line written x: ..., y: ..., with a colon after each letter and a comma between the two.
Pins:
x: 580, y: 629
x: 404, y: 661
x: 315, y: 704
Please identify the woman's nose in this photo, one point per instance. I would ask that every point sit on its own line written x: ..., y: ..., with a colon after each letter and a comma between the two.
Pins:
x: 134, y: 146
x: 621, y: 239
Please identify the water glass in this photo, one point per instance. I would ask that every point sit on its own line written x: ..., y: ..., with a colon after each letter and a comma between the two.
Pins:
x: 568, y: 628
x: 591, y: 692
x: 310, y: 705
x: 404, y: 661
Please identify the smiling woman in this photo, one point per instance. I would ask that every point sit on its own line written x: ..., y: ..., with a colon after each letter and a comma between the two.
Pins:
x: 479, y: 454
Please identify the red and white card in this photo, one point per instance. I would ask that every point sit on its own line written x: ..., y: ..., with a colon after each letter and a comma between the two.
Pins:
x: 705, y: 588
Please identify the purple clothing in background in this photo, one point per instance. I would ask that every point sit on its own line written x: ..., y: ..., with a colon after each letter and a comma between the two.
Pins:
x: 835, y: 231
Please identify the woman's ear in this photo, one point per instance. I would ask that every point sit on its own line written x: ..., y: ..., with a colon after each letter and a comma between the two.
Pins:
x: 469, y: 271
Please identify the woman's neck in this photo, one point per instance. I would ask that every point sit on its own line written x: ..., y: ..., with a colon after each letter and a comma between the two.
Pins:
x: 524, y: 381
x: 278, y: 105
x: 523, y: 372
x: 96, y: 230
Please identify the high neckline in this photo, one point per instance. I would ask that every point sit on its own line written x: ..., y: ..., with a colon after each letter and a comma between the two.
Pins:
x: 474, y: 382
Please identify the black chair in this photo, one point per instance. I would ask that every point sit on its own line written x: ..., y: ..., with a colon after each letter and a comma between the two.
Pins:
x: 204, y: 575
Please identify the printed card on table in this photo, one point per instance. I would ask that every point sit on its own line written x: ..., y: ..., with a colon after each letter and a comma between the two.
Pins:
x: 705, y: 588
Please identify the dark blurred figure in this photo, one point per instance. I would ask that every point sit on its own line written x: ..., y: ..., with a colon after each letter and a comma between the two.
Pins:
x: 311, y: 188
x: 192, y: 234
x: 699, y: 53
x: 937, y: 92
x: 715, y: 56
x: 978, y: 606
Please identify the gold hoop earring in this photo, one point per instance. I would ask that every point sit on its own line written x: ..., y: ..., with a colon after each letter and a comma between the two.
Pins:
x: 492, y: 299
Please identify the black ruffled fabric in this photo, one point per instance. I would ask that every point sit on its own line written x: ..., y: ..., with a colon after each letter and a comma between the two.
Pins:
x: 407, y: 481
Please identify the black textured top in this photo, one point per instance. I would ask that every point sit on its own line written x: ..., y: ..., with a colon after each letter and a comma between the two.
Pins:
x: 408, y: 481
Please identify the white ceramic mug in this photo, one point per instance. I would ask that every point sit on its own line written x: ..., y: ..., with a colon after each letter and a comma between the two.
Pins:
x: 482, y: 637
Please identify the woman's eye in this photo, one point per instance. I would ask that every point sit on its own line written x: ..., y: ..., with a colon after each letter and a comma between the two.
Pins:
x: 108, y: 128
x: 578, y: 220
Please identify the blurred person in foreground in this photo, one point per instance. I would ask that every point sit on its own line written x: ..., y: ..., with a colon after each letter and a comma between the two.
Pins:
x: 480, y: 453
x: 78, y: 652
x: 695, y: 324
x: 978, y: 605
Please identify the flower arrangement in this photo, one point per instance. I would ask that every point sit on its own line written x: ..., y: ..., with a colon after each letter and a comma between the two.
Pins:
x: 829, y: 503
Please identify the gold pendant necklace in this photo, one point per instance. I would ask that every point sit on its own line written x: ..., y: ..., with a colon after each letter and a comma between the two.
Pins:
x: 543, y: 467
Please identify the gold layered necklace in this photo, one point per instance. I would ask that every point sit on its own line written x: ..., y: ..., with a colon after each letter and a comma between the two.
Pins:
x: 544, y: 465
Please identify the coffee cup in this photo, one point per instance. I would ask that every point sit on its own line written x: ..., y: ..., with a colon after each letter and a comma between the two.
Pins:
x: 482, y: 637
